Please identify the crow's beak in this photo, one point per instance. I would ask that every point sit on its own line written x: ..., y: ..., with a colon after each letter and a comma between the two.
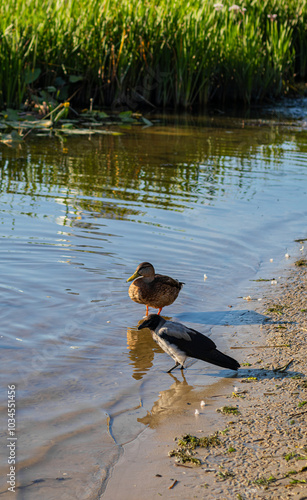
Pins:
x: 143, y: 325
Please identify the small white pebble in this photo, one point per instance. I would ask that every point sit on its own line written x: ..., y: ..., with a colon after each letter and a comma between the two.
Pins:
x: 235, y: 389
x: 287, y: 256
x: 74, y: 347
x: 247, y: 298
x: 301, y: 249
x: 196, y: 412
x: 273, y: 282
x: 205, y: 277
x: 20, y: 340
x: 202, y: 404
x: 108, y: 321
x: 260, y: 299
x: 271, y: 260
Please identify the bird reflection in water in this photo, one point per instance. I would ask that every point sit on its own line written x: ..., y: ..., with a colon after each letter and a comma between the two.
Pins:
x: 168, y: 403
x: 142, y: 349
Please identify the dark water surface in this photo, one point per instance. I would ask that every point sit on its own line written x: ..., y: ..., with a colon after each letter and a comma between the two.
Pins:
x: 216, y: 197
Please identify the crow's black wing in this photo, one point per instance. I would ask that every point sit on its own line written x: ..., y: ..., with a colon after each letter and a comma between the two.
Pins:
x: 195, y: 345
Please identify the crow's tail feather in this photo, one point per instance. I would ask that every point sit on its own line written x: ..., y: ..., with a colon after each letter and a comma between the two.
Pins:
x: 218, y: 358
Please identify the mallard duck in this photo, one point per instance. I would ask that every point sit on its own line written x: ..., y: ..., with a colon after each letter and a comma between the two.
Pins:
x: 153, y: 290
x: 180, y: 342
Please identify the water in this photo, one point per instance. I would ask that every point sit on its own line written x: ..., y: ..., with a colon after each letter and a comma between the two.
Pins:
x: 220, y: 197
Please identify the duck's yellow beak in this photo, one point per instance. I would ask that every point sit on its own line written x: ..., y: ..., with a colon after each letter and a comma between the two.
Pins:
x: 135, y: 275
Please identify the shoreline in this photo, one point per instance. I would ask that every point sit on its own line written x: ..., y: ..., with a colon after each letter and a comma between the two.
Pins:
x: 263, y: 450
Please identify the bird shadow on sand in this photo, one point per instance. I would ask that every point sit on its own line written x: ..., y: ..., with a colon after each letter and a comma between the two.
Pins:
x: 246, y: 374
x: 231, y: 317
x: 254, y: 374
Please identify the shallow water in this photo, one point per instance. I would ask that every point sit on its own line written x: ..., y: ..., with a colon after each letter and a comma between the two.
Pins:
x: 194, y: 196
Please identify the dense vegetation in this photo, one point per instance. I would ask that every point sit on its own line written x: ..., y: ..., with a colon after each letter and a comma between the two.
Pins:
x: 163, y: 52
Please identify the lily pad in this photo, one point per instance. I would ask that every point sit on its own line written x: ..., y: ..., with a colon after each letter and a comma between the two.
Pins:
x: 50, y: 89
x: 10, y: 114
x: 31, y: 75
x: 11, y: 138
x: 147, y: 122
x: 75, y: 78
x: 88, y: 131
x: 29, y: 124
x: 68, y: 126
x: 101, y: 115
x: 126, y: 117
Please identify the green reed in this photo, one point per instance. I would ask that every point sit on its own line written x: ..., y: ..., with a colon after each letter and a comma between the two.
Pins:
x: 164, y: 53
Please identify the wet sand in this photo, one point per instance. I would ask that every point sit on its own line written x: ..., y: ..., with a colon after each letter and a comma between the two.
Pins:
x: 263, y: 450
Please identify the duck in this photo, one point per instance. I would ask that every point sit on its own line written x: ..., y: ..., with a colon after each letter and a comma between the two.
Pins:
x: 151, y: 289
x: 181, y: 342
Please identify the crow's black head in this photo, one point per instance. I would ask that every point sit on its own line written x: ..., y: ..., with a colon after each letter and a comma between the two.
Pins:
x: 152, y: 322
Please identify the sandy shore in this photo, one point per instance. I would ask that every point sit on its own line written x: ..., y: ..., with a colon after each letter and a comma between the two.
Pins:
x: 263, y: 449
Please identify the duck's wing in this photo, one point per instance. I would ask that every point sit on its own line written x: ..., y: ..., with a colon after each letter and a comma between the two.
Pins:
x: 167, y: 280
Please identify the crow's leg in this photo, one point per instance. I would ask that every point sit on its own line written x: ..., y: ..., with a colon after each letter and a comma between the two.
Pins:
x: 177, y: 364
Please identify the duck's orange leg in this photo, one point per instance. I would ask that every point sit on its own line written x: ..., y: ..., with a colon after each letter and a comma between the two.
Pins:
x: 146, y: 310
x: 160, y: 309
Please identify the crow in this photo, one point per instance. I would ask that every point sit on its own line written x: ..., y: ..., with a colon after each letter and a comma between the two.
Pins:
x: 181, y: 342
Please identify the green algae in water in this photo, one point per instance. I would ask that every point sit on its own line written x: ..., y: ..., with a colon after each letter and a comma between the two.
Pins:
x: 191, y: 442
x: 228, y: 410
x: 276, y: 308
x: 301, y: 262
x: 188, y: 443
x: 294, y: 455
x: 263, y: 481
x: 223, y: 475
x: 183, y: 457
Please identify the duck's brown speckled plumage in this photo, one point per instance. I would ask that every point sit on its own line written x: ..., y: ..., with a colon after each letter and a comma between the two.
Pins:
x: 153, y: 290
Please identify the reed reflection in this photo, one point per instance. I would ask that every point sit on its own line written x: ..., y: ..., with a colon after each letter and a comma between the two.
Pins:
x: 117, y: 177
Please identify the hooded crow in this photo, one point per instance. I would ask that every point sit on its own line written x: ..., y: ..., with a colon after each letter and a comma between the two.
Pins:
x: 181, y: 342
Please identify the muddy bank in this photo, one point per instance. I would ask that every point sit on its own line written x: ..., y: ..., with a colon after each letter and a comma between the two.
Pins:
x: 262, y: 450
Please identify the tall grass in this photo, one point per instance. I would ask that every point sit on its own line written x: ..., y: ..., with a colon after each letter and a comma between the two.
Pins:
x: 164, y: 53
